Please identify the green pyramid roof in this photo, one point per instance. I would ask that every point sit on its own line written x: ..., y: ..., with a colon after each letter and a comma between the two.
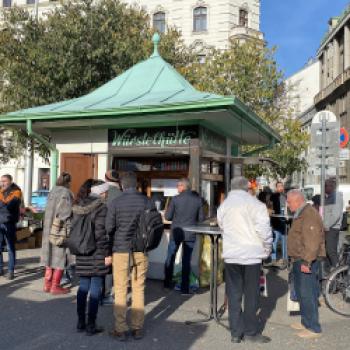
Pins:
x: 151, y: 93
x: 151, y: 82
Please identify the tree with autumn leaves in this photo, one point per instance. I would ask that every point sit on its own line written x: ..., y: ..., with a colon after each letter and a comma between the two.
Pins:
x: 80, y: 46
x: 249, y: 71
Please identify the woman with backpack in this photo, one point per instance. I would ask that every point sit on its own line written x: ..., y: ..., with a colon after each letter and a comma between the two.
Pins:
x: 57, y: 218
x: 89, y: 242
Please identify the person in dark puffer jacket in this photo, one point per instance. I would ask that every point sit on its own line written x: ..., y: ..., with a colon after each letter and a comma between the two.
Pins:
x: 129, y: 260
x: 92, y: 268
x: 10, y: 202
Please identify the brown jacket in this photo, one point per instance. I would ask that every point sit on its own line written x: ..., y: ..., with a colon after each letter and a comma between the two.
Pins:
x: 306, y: 238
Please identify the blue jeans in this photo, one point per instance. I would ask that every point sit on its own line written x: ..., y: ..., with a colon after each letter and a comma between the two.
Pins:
x: 94, y: 286
x: 279, y: 236
x: 307, y: 291
x: 187, y: 248
x: 8, y: 233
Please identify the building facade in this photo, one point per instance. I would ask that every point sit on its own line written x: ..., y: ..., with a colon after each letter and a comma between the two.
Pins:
x: 334, y: 95
x: 203, y: 23
x: 302, y: 88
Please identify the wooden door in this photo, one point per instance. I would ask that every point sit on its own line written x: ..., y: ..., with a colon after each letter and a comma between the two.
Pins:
x: 80, y: 166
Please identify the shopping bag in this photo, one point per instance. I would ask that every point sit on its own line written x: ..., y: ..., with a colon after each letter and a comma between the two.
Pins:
x: 263, y: 283
x: 292, y: 306
x: 292, y: 300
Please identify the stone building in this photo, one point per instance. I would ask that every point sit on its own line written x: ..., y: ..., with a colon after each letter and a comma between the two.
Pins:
x: 334, y: 57
x: 302, y: 87
x: 203, y: 23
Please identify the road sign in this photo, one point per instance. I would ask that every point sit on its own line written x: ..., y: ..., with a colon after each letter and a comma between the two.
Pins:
x: 324, y: 148
x: 344, y: 137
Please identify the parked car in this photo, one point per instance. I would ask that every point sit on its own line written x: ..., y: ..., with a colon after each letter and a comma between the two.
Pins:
x: 39, y: 200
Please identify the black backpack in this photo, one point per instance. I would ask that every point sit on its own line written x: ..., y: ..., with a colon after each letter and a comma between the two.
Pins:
x: 81, y: 240
x: 150, y: 230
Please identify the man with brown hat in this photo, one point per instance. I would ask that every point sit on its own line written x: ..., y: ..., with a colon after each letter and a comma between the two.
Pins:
x: 306, y: 244
x: 112, y: 179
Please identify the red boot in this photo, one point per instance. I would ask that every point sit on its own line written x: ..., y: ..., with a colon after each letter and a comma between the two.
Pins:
x: 56, y: 280
x: 48, y: 279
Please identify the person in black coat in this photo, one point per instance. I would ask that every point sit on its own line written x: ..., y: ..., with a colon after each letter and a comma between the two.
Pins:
x: 279, y: 205
x: 91, y: 269
x: 185, y: 209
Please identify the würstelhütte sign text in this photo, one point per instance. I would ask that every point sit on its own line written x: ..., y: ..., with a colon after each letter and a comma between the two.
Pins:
x: 158, y: 137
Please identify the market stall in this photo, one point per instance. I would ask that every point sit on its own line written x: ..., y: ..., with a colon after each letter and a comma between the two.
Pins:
x: 152, y: 121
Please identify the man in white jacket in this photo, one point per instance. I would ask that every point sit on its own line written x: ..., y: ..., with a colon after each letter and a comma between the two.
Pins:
x: 247, y: 239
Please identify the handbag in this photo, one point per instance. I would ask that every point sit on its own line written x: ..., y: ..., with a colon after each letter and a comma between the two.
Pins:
x: 344, y: 222
x: 59, y: 232
x: 292, y: 300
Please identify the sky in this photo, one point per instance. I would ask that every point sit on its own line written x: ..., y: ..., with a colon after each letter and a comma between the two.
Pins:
x: 296, y: 28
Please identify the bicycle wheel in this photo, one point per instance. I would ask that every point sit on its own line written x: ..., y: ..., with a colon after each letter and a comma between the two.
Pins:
x: 337, y: 291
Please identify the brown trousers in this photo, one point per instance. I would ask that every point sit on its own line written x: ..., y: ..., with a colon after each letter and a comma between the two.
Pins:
x: 121, y: 282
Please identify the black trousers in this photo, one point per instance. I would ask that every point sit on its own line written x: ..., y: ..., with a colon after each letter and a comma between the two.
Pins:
x: 242, y: 282
x: 332, y: 240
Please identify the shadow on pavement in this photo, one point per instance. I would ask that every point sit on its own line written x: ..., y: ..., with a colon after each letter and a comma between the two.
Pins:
x: 31, y: 319
x: 277, y: 288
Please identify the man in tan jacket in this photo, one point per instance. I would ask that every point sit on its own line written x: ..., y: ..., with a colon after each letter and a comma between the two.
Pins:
x: 306, y: 244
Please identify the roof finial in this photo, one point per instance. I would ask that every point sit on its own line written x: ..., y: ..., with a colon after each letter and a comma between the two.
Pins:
x: 156, y: 40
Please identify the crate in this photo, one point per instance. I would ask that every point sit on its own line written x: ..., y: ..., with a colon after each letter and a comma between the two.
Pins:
x: 22, y: 245
x: 31, y: 242
x: 38, y: 238
x: 23, y: 233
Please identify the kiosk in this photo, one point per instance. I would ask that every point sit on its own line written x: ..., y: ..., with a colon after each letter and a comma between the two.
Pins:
x: 152, y: 121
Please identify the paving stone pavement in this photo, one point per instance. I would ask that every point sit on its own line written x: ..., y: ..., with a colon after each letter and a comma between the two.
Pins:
x: 33, y: 320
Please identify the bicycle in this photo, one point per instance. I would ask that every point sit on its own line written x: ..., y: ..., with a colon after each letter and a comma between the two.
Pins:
x: 337, y: 288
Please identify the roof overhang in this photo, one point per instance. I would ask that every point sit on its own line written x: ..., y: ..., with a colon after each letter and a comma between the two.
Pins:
x: 228, y: 116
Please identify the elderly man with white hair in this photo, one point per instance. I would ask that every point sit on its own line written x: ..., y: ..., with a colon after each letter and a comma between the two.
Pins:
x: 247, y: 239
x: 306, y: 244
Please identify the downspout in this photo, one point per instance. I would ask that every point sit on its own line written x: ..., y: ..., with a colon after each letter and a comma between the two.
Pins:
x: 51, y: 147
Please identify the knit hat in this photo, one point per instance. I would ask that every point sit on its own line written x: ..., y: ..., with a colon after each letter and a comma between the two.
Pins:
x: 112, y: 176
x: 99, y: 189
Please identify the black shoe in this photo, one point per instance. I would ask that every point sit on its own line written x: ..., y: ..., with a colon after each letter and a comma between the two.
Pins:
x: 92, y: 329
x: 259, y: 338
x: 236, y: 340
x: 81, y: 326
x: 11, y: 276
x: 1, y: 272
x: 137, y: 334
x: 120, y: 336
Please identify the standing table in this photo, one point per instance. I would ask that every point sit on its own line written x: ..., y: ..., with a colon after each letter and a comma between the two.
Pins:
x: 214, y: 233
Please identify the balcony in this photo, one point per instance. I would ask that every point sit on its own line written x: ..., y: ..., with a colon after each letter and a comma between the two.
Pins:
x: 336, y: 83
x: 241, y: 32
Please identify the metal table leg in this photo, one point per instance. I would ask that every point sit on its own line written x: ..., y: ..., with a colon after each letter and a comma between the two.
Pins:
x: 210, y: 316
x: 213, y: 298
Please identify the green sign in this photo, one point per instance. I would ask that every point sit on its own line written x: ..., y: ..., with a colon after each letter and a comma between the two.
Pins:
x: 212, y: 141
x: 155, y: 137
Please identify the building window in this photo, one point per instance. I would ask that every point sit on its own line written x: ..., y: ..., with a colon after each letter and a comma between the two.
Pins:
x: 201, y: 58
x: 6, y: 3
x: 243, y: 18
x: 30, y: 2
x: 200, y: 19
x: 159, y: 22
